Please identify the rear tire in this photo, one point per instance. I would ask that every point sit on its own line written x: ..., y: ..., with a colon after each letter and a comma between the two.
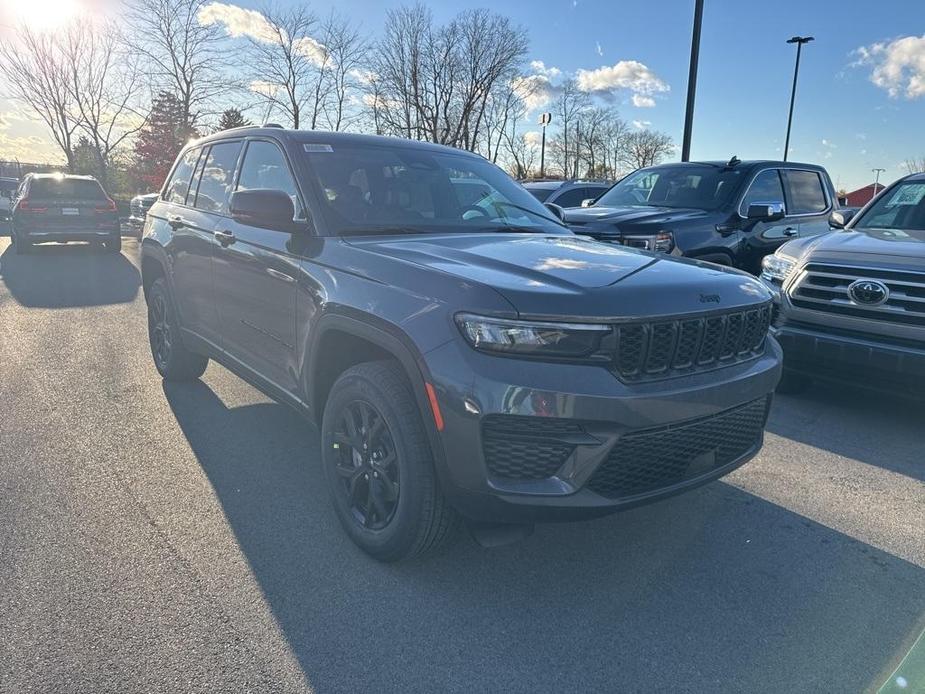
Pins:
x: 793, y: 383
x: 381, y: 476
x: 21, y: 246
x: 113, y: 245
x: 173, y: 361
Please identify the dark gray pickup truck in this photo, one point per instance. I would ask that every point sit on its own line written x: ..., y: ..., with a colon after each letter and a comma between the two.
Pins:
x: 463, y: 357
x: 852, y: 303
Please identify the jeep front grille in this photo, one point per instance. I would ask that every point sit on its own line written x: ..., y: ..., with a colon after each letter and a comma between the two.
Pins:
x: 824, y: 287
x: 662, y: 349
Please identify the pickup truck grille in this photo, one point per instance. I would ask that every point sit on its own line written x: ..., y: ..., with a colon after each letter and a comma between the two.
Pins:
x: 662, y: 349
x: 824, y: 287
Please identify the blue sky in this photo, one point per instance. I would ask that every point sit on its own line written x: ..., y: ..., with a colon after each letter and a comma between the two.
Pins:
x: 842, y: 120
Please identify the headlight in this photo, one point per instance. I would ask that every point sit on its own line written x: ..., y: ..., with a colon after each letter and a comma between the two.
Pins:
x: 662, y: 242
x: 531, y: 338
x: 777, y: 267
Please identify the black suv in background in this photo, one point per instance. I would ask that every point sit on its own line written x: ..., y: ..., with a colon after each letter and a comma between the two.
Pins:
x: 62, y: 208
x: 566, y: 193
x: 461, y: 358
x: 732, y: 213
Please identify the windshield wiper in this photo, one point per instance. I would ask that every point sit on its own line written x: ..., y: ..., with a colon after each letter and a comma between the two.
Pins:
x: 510, y: 229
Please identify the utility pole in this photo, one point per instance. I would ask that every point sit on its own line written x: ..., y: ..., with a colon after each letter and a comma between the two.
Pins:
x: 876, y: 181
x: 799, y: 41
x: 692, y: 81
x: 545, y: 118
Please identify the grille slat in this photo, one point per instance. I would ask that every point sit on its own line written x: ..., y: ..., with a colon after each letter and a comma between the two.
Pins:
x: 662, y: 349
x: 646, y: 461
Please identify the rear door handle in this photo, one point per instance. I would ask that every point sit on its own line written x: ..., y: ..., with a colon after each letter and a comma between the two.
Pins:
x: 790, y: 231
x: 226, y: 238
x: 280, y: 275
x: 176, y: 222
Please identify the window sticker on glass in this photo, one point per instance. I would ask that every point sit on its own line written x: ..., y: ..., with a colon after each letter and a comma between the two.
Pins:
x: 908, y: 194
x: 313, y: 147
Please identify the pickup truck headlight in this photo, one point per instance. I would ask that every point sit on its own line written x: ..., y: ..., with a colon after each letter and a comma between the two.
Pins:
x: 662, y: 242
x: 531, y: 338
x: 777, y: 267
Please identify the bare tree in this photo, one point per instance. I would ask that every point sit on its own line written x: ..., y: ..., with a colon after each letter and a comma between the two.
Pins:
x: 567, y: 109
x: 915, y: 165
x: 645, y: 148
x: 36, y: 74
x: 183, y: 54
x: 346, y: 49
x: 104, y: 86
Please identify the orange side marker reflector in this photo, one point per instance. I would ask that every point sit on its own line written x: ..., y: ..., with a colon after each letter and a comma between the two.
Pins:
x: 434, y: 405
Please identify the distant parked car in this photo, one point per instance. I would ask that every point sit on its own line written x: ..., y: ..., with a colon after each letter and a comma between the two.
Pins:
x: 62, y: 208
x: 852, y: 303
x: 138, y: 210
x: 567, y: 193
x: 8, y: 188
x: 732, y: 213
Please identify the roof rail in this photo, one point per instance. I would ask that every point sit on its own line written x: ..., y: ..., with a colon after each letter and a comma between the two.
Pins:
x: 272, y: 125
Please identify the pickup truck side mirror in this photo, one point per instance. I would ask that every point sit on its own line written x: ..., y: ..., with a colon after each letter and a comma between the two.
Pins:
x: 587, y: 202
x: 766, y: 211
x: 556, y: 210
x: 839, y: 218
x: 263, y: 208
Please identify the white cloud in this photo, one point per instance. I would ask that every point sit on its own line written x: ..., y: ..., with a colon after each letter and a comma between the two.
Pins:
x: 539, y: 67
x: 640, y: 101
x: 263, y: 88
x: 828, y: 144
x: 898, y: 66
x: 239, y: 22
x: 642, y: 124
x: 597, y: 47
x: 626, y: 74
x: 533, y: 137
x: 535, y: 90
x: 363, y: 76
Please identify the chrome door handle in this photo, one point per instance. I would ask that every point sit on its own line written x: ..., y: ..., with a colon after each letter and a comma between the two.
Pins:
x: 176, y: 222
x: 226, y: 238
x: 280, y: 275
x: 790, y: 231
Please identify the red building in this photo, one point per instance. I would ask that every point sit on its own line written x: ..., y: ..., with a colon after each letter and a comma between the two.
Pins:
x: 862, y: 196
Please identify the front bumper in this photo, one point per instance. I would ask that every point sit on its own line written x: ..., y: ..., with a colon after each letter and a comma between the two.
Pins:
x: 593, y: 422
x: 833, y: 354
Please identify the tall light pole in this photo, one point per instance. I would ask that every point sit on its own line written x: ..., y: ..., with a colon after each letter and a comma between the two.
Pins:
x: 799, y: 41
x: 876, y: 181
x: 692, y: 81
x: 545, y: 118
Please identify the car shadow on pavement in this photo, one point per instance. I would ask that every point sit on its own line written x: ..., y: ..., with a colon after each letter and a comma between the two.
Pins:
x: 872, y: 427
x: 67, y: 276
x: 714, y: 590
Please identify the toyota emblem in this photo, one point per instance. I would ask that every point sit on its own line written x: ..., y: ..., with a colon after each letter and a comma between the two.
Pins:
x: 868, y: 292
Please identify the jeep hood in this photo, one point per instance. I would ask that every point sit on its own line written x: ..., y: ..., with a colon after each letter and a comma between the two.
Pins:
x: 570, y: 277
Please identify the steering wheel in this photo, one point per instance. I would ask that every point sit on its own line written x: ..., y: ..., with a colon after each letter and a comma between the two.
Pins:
x: 475, y: 208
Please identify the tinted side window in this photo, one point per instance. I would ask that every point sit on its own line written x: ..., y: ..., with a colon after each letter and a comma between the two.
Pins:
x: 218, y: 177
x: 179, y: 182
x: 765, y: 188
x: 265, y: 167
x: 804, y: 191
x: 572, y: 198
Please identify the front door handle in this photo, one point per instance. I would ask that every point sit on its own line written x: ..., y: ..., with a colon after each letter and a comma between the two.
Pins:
x: 226, y: 238
x: 790, y: 231
x: 176, y: 222
x: 280, y: 275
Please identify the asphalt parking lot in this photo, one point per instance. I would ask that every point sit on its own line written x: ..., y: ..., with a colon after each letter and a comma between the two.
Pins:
x: 179, y: 538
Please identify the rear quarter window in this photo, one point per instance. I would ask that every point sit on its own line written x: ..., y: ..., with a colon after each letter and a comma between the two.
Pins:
x: 178, y: 186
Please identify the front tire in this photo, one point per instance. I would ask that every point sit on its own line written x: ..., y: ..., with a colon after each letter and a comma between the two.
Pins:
x: 379, y: 466
x: 173, y: 361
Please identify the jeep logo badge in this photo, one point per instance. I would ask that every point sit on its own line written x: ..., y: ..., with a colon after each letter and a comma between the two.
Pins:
x: 868, y: 292
x: 709, y: 298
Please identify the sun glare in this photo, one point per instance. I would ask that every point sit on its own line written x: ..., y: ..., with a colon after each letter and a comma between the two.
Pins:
x: 47, y: 15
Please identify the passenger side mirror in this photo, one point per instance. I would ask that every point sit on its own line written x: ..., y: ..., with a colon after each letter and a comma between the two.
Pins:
x: 587, y: 202
x: 555, y: 209
x: 839, y: 218
x: 766, y: 211
x: 263, y: 208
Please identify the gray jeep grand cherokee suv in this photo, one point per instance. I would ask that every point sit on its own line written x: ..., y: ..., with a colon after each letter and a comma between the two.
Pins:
x: 852, y: 303
x: 462, y: 358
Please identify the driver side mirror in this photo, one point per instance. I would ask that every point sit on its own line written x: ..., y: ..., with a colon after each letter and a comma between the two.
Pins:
x: 556, y: 210
x: 263, y: 208
x: 839, y: 218
x: 766, y: 211
x: 587, y: 202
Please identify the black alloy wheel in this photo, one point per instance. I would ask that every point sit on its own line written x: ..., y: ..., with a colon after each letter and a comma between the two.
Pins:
x: 159, y: 329
x: 366, y: 461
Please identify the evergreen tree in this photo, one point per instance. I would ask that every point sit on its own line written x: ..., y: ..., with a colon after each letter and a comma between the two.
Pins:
x: 232, y: 118
x: 160, y: 140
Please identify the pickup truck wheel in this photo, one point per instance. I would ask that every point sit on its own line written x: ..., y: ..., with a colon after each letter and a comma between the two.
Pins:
x: 114, y: 245
x: 793, y: 383
x: 173, y: 361
x: 21, y: 246
x: 379, y: 467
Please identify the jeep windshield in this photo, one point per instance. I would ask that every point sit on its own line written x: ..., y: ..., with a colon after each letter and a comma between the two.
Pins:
x: 899, y: 214
x: 698, y: 187
x: 411, y: 190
